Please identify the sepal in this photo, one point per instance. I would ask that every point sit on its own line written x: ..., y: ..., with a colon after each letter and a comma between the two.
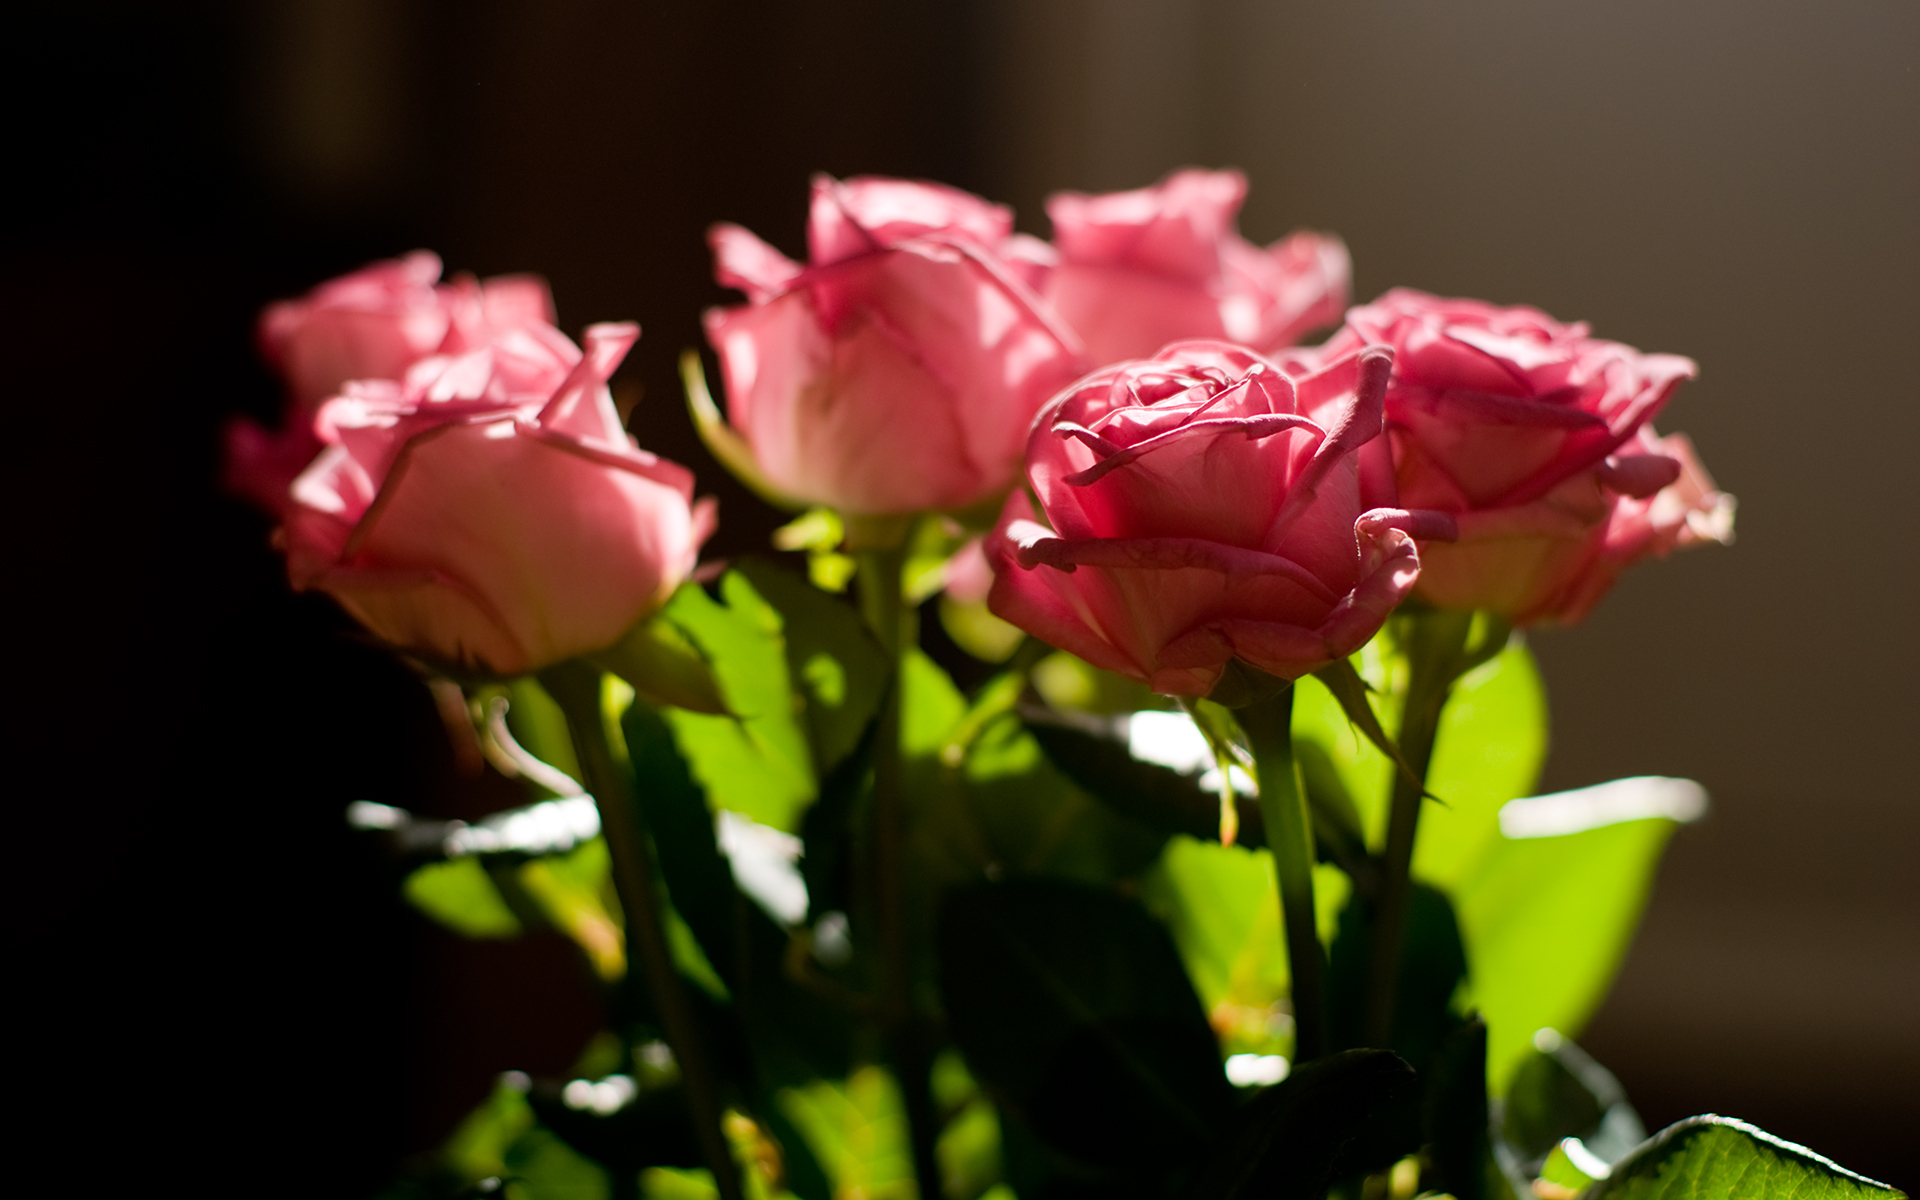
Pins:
x: 662, y: 665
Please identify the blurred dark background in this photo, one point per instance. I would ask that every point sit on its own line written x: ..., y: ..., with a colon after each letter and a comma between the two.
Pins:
x: 1733, y: 181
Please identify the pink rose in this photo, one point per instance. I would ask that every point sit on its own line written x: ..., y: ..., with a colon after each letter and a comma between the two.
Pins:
x: 1204, y: 507
x: 490, y: 512
x: 1537, y: 438
x: 371, y: 324
x: 1140, y: 269
x: 898, y: 371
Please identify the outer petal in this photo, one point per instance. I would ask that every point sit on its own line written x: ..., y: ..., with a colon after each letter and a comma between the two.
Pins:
x: 510, y: 301
x: 430, y: 614
x: 1174, y: 228
x: 1516, y: 561
x: 1309, y: 275
x: 1122, y: 313
x: 581, y: 407
x: 775, y: 360
x: 370, y: 324
x: 861, y: 215
x: 1043, y: 600
x: 741, y: 260
x: 567, y: 551
x: 1690, y: 511
x: 939, y: 363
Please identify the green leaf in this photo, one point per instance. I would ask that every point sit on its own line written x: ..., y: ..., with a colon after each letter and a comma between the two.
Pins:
x: 1303, y: 1133
x: 1547, y: 921
x: 1067, y: 682
x: 840, y: 670
x: 1350, y: 691
x: 1222, y: 907
x: 1489, y: 749
x: 458, y: 894
x: 795, y: 1033
x: 1454, y: 1118
x: 924, y: 571
x: 697, y: 878
x: 574, y: 891
x: 477, y: 1148
x: 1092, y: 754
x: 799, y: 673
x: 1038, y: 823
x: 543, y: 1167
x: 1558, y: 1092
x: 660, y: 664
x: 985, y: 797
x: 826, y: 830
x: 930, y: 706
x: 1333, y: 754
x: 1433, y: 962
x: 650, y: 1130
x: 857, y: 1129
x: 1071, y: 1005
x: 977, y: 631
x: 756, y: 762
x: 817, y: 529
x: 969, y: 1145
x: 1717, y: 1158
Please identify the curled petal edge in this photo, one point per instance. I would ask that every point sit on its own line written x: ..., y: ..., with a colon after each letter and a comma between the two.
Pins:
x: 1034, y: 545
x: 1290, y: 651
x: 1638, y: 475
x: 1421, y: 524
x: 1026, y: 598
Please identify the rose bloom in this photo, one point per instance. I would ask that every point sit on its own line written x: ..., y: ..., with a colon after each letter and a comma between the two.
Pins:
x: 898, y: 371
x: 1204, y: 506
x: 1137, y: 270
x: 489, y: 513
x: 371, y: 324
x: 1536, y: 436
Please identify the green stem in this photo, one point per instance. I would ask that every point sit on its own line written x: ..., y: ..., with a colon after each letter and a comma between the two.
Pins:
x: 1283, y: 803
x: 576, y: 688
x: 1435, y: 646
x: 880, y: 602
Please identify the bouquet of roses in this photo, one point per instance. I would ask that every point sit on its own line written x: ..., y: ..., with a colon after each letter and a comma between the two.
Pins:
x: 1123, y: 785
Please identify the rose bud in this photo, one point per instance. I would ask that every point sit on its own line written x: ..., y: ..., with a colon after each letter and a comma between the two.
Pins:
x: 1205, y: 507
x: 898, y: 371
x: 371, y: 324
x: 1536, y: 437
x: 489, y: 513
x: 1140, y: 269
